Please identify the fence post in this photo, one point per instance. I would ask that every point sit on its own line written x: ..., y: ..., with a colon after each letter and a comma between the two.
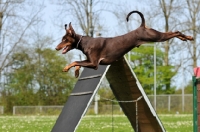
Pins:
x: 13, y: 110
x: 169, y: 102
x: 96, y: 99
x: 183, y: 100
x: 3, y: 110
x: 195, y: 123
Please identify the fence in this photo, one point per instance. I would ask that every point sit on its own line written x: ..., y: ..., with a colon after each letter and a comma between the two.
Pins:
x: 37, y: 110
x: 173, y: 103
x: 164, y: 104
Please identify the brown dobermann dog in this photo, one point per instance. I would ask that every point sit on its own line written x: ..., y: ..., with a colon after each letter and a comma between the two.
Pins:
x: 104, y: 51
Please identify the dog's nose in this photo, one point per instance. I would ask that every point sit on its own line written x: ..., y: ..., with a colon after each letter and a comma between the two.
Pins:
x: 56, y: 48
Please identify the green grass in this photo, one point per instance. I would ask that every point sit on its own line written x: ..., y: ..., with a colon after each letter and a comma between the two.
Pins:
x: 172, y: 123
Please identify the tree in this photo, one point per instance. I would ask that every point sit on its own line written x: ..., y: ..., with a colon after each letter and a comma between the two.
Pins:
x: 54, y: 85
x: 192, y: 15
x: 18, y: 88
x: 16, y: 21
x: 167, y: 11
x: 15, y: 25
x: 142, y: 61
x: 36, y: 80
x: 87, y: 14
x: 182, y: 55
x: 142, y: 58
x: 188, y: 89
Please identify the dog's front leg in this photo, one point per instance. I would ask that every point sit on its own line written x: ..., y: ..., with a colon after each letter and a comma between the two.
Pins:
x: 84, y: 63
x: 77, y: 68
x: 78, y: 64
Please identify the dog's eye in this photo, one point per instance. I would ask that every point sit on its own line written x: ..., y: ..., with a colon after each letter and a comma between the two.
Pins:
x: 64, y: 40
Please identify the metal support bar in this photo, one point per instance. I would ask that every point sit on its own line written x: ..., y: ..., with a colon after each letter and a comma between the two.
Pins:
x: 195, y: 123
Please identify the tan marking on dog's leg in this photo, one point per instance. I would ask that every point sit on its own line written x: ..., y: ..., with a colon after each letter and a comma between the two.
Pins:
x: 182, y: 38
x: 66, y: 69
x: 99, y: 62
x: 189, y: 38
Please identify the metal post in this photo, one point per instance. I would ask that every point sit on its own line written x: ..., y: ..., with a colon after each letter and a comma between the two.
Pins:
x: 96, y: 99
x: 155, y: 76
x: 154, y: 104
x: 129, y: 57
x: 183, y: 99
x: 14, y: 110
x: 194, y: 104
x: 169, y: 102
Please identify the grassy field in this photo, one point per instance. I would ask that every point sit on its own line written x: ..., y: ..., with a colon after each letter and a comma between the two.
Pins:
x: 172, y: 123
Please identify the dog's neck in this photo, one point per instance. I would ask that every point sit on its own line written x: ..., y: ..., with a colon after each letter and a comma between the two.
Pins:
x: 83, y: 44
x: 78, y: 42
x: 78, y: 39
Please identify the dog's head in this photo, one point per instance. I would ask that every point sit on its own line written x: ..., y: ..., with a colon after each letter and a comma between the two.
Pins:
x: 68, y: 40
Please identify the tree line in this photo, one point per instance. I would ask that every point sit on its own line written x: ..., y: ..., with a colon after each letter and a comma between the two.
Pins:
x: 31, y: 70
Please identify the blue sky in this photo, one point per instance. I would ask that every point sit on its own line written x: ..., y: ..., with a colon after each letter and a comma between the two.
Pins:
x: 51, y: 11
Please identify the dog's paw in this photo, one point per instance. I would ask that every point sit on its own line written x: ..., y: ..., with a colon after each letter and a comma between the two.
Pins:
x: 190, y: 38
x: 76, y: 73
x: 66, y: 69
x: 77, y: 68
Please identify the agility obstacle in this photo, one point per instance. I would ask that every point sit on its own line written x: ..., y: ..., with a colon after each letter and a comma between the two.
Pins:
x: 127, y: 90
x: 196, y: 100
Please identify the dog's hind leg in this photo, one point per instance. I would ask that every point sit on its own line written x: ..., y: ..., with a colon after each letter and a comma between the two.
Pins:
x: 177, y: 34
x: 99, y: 62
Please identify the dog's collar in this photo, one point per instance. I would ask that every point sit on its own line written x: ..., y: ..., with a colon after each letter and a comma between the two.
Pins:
x: 79, y: 42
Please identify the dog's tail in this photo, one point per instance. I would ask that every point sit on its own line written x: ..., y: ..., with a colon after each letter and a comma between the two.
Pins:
x: 141, y: 15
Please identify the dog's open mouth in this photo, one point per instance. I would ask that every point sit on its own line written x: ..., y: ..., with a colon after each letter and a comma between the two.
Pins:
x: 65, y: 49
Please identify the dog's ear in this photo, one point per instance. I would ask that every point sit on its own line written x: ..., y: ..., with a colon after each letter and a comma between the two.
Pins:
x: 71, y: 30
x: 66, y: 27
